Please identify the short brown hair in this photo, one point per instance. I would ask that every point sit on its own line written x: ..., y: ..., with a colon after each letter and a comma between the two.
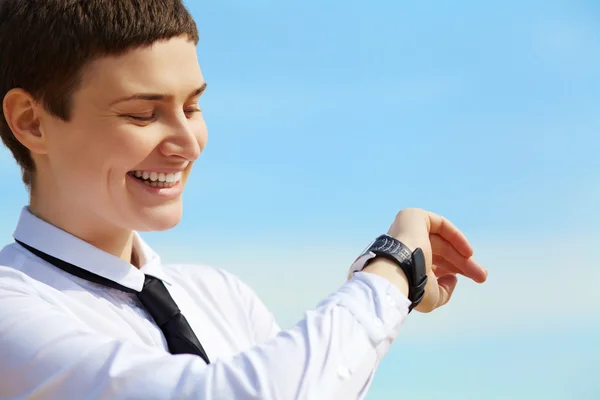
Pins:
x: 45, y: 44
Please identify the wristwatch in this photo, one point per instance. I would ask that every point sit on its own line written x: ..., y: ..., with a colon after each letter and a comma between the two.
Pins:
x: 412, y: 263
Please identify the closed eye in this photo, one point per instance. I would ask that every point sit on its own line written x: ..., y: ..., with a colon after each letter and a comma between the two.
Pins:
x: 141, y: 118
x: 149, y: 118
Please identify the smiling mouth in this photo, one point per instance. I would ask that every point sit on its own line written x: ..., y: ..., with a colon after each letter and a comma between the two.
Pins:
x: 157, y: 179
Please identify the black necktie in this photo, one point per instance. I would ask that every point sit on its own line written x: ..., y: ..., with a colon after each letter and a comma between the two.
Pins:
x: 155, y: 298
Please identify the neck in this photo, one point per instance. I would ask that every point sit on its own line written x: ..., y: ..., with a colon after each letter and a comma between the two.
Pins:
x: 112, y: 240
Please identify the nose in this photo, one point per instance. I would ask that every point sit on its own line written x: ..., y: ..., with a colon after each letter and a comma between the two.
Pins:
x: 187, y: 140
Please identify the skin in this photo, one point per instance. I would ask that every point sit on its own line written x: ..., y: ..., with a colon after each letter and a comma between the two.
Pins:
x: 82, y: 183
x: 447, y: 253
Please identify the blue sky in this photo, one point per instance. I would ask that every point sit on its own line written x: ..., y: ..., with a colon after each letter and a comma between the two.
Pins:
x: 327, y: 117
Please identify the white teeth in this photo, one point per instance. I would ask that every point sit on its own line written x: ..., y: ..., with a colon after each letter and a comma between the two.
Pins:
x: 158, y: 184
x: 158, y: 179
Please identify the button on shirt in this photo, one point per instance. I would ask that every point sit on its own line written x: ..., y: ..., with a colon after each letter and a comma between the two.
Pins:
x: 62, y: 337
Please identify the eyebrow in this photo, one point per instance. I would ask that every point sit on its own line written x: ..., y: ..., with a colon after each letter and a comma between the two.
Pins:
x: 158, y: 96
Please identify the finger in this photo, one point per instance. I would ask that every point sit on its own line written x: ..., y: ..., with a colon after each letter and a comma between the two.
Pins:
x: 446, y: 285
x: 466, y: 266
x: 442, y: 267
x: 442, y: 227
x: 436, y: 295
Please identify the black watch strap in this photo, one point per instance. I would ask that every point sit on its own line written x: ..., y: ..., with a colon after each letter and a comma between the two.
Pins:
x: 412, y: 263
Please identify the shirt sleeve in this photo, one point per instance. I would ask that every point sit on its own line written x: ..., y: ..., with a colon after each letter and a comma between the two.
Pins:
x: 47, y: 353
x: 261, y: 320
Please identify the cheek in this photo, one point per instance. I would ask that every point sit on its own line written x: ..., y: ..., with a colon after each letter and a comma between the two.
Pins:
x: 71, y: 154
x: 120, y: 148
x: 92, y: 157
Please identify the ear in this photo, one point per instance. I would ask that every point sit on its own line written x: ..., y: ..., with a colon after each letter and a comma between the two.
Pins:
x: 21, y: 111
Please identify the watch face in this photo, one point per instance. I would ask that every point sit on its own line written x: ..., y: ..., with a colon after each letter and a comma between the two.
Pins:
x: 390, y: 245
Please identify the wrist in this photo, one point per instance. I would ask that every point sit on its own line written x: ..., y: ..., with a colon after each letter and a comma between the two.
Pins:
x: 389, y: 270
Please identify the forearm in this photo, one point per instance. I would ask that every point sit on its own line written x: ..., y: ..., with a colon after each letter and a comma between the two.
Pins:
x: 389, y: 270
x: 331, y: 351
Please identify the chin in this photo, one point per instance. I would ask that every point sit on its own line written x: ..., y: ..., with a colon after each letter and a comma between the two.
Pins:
x: 159, y: 220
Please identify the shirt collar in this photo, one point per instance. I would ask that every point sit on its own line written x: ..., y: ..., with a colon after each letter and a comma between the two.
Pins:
x: 51, y: 240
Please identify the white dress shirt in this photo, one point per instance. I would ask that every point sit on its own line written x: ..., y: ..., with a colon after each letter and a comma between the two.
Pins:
x: 65, y: 338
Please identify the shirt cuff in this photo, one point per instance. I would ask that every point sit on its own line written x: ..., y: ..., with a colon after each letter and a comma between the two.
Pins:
x: 378, y: 305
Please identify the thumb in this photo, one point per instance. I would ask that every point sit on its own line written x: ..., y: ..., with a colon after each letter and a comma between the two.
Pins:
x: 446, y: 285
